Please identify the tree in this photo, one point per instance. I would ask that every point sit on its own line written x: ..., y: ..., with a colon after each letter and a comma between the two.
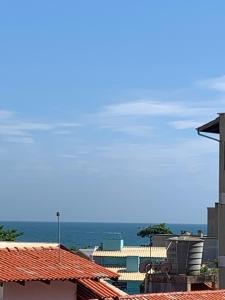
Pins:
x: 9, y: 235
x: 161, y: 228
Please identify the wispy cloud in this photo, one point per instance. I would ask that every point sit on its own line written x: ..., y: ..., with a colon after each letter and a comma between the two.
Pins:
x: 21, y: 139
x: 13, y: 129
x: 143, y: 108
x: 185, y: 124
x: 216, y: 83
x: 68, y: 156
x: 5, y: 114
x: 70, y: 125
x: 154, y: 108
x: 141, y: 117
x: 129, y: 127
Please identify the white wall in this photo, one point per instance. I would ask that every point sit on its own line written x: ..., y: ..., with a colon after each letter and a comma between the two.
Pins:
x: 56, y: 290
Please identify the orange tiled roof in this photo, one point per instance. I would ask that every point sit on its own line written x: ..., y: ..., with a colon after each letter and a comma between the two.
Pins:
x: 197, y: 295
x: 100, y: 289
x: 42, y: 263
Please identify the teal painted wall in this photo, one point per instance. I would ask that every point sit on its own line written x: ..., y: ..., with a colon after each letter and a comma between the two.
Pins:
x: 130, y: 287
x: 114, y: 261
x: 132, y: 263
x: 112, y: 244
x: 110, y: 261
x: 133, y: 287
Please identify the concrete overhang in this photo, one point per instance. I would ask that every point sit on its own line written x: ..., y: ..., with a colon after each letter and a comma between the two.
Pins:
x: 210, y: 127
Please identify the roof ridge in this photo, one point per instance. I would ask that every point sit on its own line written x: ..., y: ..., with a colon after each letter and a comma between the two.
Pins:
x: 174, y: 293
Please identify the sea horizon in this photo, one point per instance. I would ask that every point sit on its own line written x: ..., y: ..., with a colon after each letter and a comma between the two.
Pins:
x: 99, y: 222
x: 88, y: 234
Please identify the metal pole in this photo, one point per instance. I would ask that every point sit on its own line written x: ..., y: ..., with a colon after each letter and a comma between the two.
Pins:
x: 150, y: 244
x: 58, y: 220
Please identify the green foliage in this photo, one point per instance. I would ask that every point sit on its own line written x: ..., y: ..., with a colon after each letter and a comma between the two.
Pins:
x: 206, y: 270
x: 9, y: 235
x: 161, y: 228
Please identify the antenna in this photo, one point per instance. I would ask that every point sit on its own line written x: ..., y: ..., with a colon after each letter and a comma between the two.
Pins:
x: 58, y: 220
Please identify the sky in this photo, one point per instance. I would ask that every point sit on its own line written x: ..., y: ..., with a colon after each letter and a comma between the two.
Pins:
x: 99, y: 101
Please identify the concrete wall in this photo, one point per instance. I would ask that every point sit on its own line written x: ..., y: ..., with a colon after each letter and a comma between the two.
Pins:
x: 212, y: 223
x: 35, y: 290
x: 210, y: 251
x: 166, y: 287
x: 160, y: 240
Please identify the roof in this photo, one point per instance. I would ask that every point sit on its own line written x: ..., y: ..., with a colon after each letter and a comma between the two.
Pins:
x: 88, y: 252
x: 100, y: 288
x: 128, y: 276
x: 197, y: 295
x: 21, y: 245
x: 211, y: 127
x: 187, y: 238
x: 38, y: 261
x: 133, y: 251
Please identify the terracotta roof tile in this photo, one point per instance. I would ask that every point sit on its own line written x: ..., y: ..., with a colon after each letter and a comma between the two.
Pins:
x: 42, y: 263
x: 99, y: 288
x: 197, y: 295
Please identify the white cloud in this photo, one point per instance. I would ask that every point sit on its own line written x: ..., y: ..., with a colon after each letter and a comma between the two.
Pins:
x: 153, y: 108
x: 140, y: 117
x: 185, y: 124
x: 16, y: 130
x: 22, y: 140
x: 5, y: 114
x: 144, y: 107
x: 216, y: 83
x: 69, y: 156
x: 130, y: 129
x: 69, y: 125
x: 63, y: 132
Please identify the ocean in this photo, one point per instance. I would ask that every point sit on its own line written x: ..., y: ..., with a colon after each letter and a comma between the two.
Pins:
x: 84, y: 234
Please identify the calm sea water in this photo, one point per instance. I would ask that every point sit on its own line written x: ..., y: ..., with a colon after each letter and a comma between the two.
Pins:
x: 88, y: 234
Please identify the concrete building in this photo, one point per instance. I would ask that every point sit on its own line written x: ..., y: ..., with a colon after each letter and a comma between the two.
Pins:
x: 34, y: 271
x: 127, y: 261
x: 210, y: 241
x: 217, y: 126
x: 181, y: 271
x: 212, y: 221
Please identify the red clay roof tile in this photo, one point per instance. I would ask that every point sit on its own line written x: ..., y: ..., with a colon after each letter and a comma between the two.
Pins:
x: 99, y: 288
x: 197, y: 295
x: 24, y: 264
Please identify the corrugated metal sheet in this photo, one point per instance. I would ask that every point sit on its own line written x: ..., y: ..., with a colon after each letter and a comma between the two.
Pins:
x: 133, y: 251
x: 47, y: 263
x: 199, y: 295
x: 128, y: 276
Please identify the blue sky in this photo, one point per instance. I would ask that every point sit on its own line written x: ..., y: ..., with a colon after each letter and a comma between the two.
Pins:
x: 99, y: 101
